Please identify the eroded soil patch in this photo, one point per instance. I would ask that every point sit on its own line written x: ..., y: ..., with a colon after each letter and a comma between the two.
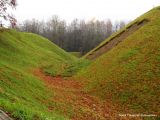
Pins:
x: 116, y: 39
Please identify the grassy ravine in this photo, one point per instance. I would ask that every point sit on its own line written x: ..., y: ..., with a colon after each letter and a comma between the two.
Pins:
x: 21, y: 93
x: 77, y: 54
x: 129, y: 74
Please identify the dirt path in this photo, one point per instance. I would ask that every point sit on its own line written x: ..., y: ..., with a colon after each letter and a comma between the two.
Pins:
x: 4, y: 116
x: 114, y: 41
x: 69, y: 99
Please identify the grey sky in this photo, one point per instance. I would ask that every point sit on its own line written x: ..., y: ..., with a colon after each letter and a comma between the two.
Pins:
x: 83, y: 9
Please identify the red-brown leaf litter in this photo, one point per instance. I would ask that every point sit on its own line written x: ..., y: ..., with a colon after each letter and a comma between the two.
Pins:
x: 69, y: 97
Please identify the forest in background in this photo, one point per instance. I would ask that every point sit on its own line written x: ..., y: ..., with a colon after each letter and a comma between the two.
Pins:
x: 77, y: 36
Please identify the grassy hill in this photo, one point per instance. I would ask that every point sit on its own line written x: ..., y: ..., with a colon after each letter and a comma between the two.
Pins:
x: 129, y: 73
x: 22, y: 94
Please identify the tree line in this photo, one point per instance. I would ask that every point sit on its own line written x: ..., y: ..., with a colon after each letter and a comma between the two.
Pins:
x: 77, y: 36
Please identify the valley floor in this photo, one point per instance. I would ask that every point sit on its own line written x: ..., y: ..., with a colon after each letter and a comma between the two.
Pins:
x: 69, y: 99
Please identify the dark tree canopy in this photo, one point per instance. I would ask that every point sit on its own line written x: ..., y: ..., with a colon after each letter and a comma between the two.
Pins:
x: 77, y: 36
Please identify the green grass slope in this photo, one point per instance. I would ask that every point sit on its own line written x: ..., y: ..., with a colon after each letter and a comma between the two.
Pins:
x: 129, y: 74
x: 21, y: 93
x: 77, y: 54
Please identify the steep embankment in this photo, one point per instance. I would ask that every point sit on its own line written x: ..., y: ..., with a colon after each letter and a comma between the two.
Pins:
x: 129, y: 73
x: 22, y: 94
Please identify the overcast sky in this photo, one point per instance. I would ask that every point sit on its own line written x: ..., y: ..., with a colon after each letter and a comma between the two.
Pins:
x: 83, y: 9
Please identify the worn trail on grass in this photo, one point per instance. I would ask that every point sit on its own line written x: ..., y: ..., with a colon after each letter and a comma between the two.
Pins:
x: 69, y: 99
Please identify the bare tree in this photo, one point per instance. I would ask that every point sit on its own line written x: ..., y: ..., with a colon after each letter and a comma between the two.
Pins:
x: 122, y: 24
x: 109, y: 27
x: 119, y: 25
x: 4, y: 4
